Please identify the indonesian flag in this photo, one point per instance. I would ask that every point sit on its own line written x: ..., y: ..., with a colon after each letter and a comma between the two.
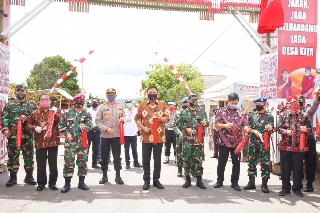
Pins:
x: 271, y: 16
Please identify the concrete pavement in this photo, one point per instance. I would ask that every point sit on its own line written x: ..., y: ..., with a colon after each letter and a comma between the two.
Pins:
x: 131, y: 198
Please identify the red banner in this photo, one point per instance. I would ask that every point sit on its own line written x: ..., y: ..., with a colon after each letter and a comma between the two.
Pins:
x: 297, y: 47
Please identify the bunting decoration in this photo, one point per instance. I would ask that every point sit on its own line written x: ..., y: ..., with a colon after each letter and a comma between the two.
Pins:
x: 66, y: 75
x: 177, y: 75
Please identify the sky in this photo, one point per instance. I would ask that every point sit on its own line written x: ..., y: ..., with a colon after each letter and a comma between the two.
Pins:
x: 127, y: 41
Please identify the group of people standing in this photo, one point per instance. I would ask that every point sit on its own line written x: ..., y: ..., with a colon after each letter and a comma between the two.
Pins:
x: 157, y: 123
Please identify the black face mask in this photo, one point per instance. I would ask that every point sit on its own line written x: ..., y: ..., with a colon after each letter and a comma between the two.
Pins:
x: 184, y: 106
x: 259, y: 107
x: 21, y: 96
x: 78, y: 104
x: 301, y: 104
x: 152, y: 96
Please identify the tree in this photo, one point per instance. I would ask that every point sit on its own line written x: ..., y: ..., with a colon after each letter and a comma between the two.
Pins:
x: 45, y: 74
x: 170, y: 88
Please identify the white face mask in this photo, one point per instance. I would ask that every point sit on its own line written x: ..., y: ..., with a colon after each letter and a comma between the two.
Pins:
x: 232, y: 106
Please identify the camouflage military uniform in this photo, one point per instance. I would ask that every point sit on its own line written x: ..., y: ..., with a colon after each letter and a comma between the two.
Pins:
x: 70, y: 124
x: 193, y: 154
x: 179, y: 153
x: 256, y: 146
x: 11, y: 112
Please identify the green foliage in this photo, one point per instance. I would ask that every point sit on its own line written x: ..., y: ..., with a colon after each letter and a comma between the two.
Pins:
x: 170, y: 88
x: 45, y: 74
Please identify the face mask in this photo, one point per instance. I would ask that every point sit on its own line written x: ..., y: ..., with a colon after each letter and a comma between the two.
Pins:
x: 259, y: 107
x: 78, y: 104
x: 184, y: 106
x: 21, y: 96
x: 306, y: 74
x: 171, y: 108
x: 129, y: 105
x: 152, y: 96
x: 285, y: 76
x: 94, y: 105
x: 232, y: 106
x: 294, y: 108
x: 44, y: 104
x: 193, y: 104
x: 301, y: 104
x: 111, y: 98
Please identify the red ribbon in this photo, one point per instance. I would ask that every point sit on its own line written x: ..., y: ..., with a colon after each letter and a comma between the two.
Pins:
x: 50, y: 123
x: 200, y: 133
x: 155, y: 130
x: 121, y: 131
x: 266, y: 139
x: 241, y: 144
x: 19, y: 133
x: 84, y: 138
x: 302, y: 140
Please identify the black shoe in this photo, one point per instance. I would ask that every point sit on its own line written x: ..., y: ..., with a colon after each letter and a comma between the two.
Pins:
x: 251, y: 184
x: 235, y: 186
x: 157, y: 184
x: 81, y: 184
x: 138, y: 165
x: 29, y: 179
x: 119, y: 180
x: 96, y: 166
x: 298, y: 193
x: 146, y: 185
x: 40, y: 187
x: 13, y: 179
x: 218, y: 184
x: 200, y: 183
x: 53, y: 187
x: 103, y: 180
x: 264, y: 185
x: 284, y: 192
x: 179, y: 173
x: 308, y: 189
x: 127, y: 166
x: 67, y: 185
x: 187, y: 183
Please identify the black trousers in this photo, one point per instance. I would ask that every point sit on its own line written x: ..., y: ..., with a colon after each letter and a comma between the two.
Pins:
x: 42, y: 155
x: 222, y: 161
x: 94, y: 139
x: 146, y: 157
x: 311, y: 161
x: 291, y: 161
x: 170, y: 139
x: 215, y: 142
x: 116, y: 152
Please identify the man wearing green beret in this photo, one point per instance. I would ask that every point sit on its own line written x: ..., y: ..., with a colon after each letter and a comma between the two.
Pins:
x: 19, y: 108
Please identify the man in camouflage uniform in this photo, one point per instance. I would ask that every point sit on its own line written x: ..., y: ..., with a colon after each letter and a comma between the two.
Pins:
x: 11, y: 112
x: 188, y: 123
x: 259, y: 121
x: 179, y: 151
x: 72, y: 123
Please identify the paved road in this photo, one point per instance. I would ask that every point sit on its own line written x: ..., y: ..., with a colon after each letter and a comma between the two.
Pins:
x: 131, y: 198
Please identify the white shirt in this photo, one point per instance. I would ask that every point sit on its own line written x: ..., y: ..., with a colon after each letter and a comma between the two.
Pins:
x: 93, y: 114
x: 130, y: 127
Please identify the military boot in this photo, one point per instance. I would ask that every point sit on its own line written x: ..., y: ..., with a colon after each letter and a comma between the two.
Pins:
x: 264, y: 185
x: 29, y: 179
x: 66, y: 186
x: 81, y: 184
x: 13, y: 179
x: 251, y: 184
x: 200, y: 183
x: 104, y: 178
x: 188, y: 182
x: 179, y: 171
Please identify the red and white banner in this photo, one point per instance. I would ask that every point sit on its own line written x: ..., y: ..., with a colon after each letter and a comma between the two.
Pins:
x: 297, y: 47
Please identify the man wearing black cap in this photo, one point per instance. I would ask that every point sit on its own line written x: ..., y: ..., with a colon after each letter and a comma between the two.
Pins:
x: 19, y: 108
x: 259, y: 121
x: 94, y: 134
x: 311, y: 155
x: 130, y: 134
x: 107, y: 119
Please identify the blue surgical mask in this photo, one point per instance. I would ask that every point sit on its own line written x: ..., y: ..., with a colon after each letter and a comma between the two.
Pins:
x: 129, y: 105
x: 111, y: 98
x: 285, y: 75
x: 94, y: 105
x: 306, y: 74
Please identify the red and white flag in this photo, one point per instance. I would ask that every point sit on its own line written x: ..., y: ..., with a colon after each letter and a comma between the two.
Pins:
x: 271, y: 16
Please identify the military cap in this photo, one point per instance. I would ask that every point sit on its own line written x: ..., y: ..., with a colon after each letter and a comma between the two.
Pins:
x: 260, y: 100
x: 192, y: 96
x: 21, y: 86
x: 184, y: 100
x: 79, y: 96
x: 94, y: 100
x: 171, y: 103
x: 128, y: 101
x: 301, y: 97
x: 111, y: 90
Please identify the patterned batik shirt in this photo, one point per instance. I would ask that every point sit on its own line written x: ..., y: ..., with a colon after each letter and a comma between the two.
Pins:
x: 145, y: 116
x: 227, y: 136
x: 288, y: 121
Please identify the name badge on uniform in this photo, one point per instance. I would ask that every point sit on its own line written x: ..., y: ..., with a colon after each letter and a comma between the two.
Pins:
x: 106, y: 115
